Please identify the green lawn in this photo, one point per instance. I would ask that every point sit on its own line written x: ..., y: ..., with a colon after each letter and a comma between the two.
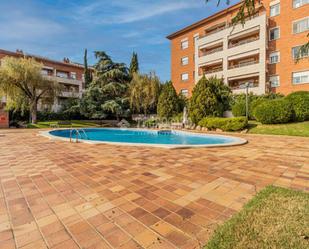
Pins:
x: 274, y: 218
x: 291, y: 129
x: 75, y: 123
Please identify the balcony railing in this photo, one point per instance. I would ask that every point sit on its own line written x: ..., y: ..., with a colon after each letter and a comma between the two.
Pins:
x: 238, y: 86
x: 228, y: 26
x: 211, y: 51
x: 244, y: 64
x: 70, y: 94
x: 214, y: 70
x: 68, y: 80
x: 242, y: 42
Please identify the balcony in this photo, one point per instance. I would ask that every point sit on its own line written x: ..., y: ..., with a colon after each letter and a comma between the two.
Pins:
x: 226, y: 26
x: 205, y: 52
x: 67, y: 80
x: 211, y: 69
x: 244, y: 41
x: 238, y: 84
x: 244, y: 64
x: 70, y: 94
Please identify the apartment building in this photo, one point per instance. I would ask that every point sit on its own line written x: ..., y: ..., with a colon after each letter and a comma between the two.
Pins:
x: 69, y: 75
x: 261, y: 52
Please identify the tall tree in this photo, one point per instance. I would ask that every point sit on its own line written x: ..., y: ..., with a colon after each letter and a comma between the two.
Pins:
x: 210, y: 97
x: 168, y: 104
x: 134, y: 66
x: 23, y: 84
x: 107, y: 94
x: 87, y: 72
x: 144, y: 92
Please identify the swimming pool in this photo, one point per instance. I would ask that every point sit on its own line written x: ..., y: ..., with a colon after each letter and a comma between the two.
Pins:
x: 166, y: 138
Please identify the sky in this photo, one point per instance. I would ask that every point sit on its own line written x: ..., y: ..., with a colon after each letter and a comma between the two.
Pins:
x: 64, y: 28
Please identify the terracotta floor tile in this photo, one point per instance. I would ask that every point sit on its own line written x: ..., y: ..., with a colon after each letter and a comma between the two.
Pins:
x: 146, y: 238
x: 117, y: 238
x: 68, y: 244
x: 27, y: 238
x: 161, y: 213
x: 8, y: 244
x: 107, y: 228
x: 57, y: 237
x: 99, y: 245
x: 107, y: 189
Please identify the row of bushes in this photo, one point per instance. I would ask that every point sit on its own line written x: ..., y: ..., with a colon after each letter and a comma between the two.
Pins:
x: 224, y: 124
x: 276, y: 109
x: 238, y: 103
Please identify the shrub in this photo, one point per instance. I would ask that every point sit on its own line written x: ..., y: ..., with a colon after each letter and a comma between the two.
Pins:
x: 210, y: 97
x: 300, y: 103
x: 150, y: 123
x: 239, y: 103
x: 168, y: 103
x: 274, y: 111
x: 225, y: 124
x: 239, y: 108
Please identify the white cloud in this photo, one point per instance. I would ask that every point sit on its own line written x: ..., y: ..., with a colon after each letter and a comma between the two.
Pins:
x: 128, y: 11
x: 18, y: 25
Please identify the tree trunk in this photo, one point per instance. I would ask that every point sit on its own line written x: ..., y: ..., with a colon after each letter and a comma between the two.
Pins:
x: 34, y: 111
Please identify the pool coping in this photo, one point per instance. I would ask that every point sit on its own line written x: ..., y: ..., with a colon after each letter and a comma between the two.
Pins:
x: 240, y: 141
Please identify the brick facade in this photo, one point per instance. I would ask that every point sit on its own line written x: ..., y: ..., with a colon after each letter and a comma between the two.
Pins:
x: 284, y: 44
x: 69, y: 75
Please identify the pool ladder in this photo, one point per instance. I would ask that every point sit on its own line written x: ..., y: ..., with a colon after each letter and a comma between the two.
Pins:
x: 78, y: 134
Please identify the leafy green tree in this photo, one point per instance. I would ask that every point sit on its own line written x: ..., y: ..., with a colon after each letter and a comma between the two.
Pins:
x: 210, y: 97
x: 107, y: 94
x: 144, y: 92
x: 168, y: 104
x: 134, y: 66
x: 87, y: 72
x: 24, y: 86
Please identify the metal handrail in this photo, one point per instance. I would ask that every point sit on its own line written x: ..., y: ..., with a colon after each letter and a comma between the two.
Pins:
x: 244, y: 64
x: 77, y: 134
x: 242, y: 42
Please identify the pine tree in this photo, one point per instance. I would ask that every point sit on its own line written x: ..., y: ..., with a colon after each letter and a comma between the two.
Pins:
x: 134, y: 67
x: 87, y: 73
x: 168, y: 104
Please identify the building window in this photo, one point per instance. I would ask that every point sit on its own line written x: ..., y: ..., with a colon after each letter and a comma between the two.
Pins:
x: 274, y: 80
x: 184, y: 92
x: 184, y: 44
x: 275, y: 10
x: 73, y: 75
x: 300, y: 77
x: 274, y: 33
x: 62, y: 75
x: 184, y: 61
x: 301, y: 26
x: 184, y: 76
x: 299, y: 3
x: 274, y: 58
x: 295, y: 53
x: 44, y: 72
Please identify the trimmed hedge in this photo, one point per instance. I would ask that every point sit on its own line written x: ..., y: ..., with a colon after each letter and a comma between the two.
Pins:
x: 300, y: 103
x: 225, y: 124
x: 275, y: 111
x: 48, y: 116
x: 239, y: 103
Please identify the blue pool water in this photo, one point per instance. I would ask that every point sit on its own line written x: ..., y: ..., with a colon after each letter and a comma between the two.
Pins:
x: 135, y: 136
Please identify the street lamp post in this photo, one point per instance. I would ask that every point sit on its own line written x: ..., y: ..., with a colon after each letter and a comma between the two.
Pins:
x: 247, y: 99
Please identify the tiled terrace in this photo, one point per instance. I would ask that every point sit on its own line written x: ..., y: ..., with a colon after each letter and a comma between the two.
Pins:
x: 59, y: 195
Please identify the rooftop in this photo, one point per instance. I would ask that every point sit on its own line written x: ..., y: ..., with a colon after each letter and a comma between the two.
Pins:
x: 204, y: 21
x: 65, y: 61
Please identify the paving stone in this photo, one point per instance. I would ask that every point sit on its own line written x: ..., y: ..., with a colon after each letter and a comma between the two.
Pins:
x: 61, y: 195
